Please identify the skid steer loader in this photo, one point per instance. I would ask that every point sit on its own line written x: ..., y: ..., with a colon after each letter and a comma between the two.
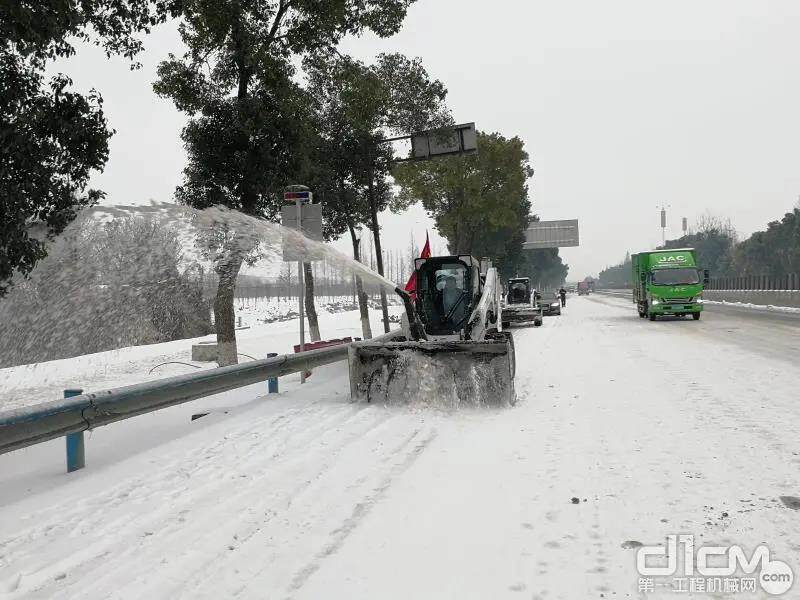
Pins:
x: 452, y: 350
x: 521, y: 305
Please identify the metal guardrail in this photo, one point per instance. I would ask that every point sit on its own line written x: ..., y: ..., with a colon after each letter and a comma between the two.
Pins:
x: 31, y: 425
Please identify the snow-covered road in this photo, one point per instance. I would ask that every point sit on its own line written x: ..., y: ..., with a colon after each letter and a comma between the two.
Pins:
x: 655, y: 428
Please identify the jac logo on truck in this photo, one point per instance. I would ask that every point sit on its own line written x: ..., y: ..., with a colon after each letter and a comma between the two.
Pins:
x: 670, y: 259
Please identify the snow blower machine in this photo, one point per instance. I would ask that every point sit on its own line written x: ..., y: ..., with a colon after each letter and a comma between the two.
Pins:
x: 452, y: 350
x: 521, y: 304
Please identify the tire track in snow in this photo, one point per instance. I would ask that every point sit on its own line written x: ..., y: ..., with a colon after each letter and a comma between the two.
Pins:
x: 361, y: 510
x: 93, y: 518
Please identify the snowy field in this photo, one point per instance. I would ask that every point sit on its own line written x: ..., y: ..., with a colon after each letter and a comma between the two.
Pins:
x: 625, y: 431
x: 32, y: 384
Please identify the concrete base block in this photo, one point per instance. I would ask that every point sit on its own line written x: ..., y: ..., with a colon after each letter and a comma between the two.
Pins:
x: 204, y: 352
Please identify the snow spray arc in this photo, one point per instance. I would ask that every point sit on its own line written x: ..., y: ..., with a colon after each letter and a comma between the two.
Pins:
x: 121, y: 276
x: 711, y: 568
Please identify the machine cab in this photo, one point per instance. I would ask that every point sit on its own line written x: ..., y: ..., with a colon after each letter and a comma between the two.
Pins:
x: 448, y: 288
x: 519, y: 291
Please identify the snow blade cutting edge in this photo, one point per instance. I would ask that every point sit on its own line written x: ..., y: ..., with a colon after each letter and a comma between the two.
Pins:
x: 445, y: 374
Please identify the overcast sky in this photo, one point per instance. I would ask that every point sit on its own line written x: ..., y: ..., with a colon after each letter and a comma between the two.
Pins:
x: 622, y: 104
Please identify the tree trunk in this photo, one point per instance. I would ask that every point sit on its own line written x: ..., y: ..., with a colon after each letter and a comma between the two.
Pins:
x: 224, y: 314
x: 229, y: 266
x: 311, y: 310
x: 363, y: 307
x: 376, y: 233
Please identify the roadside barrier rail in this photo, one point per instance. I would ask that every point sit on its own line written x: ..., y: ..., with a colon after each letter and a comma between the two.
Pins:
x: 31, y: 425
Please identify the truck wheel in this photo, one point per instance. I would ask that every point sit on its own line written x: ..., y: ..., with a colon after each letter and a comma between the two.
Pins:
x: 696, y: 316
x: 652, y: 316
x: 506, y: 324
x: 537, y: 323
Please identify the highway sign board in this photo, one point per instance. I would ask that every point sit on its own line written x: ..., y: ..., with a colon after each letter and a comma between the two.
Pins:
x: 551, y: 234
x: 459, y: 139
x: 294, y: 247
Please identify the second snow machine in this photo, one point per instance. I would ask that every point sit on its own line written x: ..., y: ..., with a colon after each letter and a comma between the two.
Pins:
x: 521, y: 304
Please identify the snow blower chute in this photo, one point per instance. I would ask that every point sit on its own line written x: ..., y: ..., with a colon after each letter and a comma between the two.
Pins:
x: 453, y: 350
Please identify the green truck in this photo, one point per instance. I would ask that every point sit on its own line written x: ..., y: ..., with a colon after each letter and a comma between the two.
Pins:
x: 668, y: 282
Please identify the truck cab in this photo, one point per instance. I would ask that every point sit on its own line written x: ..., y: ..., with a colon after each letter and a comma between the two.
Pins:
x: 668, y: 283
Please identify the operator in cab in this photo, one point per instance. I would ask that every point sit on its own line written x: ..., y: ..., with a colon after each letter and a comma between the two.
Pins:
x: 451, y: 301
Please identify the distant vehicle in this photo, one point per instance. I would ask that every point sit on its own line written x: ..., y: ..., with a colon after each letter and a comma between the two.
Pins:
x: 520, y: 304
x: 668, y: 282
x: 551, y: 307
x: 583, y: 288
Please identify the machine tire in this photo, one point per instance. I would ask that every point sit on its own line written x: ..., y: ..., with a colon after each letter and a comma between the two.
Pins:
x: 696, y: 316
x: 537, y: 323
x: 506, y: 324
x: 651, y: 316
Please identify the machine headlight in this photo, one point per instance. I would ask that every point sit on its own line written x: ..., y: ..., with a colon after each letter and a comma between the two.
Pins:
x: 555, y: 305
x: 655, y: 301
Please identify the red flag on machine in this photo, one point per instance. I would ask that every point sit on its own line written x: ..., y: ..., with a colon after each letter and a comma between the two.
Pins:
x: 411, y: 286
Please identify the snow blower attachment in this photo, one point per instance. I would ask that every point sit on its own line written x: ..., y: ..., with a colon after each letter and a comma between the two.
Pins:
x: 453, y: 351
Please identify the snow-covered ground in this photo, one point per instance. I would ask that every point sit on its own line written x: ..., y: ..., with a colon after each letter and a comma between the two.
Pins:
x: 625, y: 431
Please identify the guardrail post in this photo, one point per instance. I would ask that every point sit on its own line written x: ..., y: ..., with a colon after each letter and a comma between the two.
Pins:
x: 272, y: 382
x: 76, y: 455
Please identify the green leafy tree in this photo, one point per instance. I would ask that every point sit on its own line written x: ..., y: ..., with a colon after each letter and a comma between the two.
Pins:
x: 544, y: 267
x: 479, y: 203
x: 247, y: 137
x: 345, y: 208
x: 357, y: 105
x: 52, y: 138
x: 774, y: 252
x: 617, y: 275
